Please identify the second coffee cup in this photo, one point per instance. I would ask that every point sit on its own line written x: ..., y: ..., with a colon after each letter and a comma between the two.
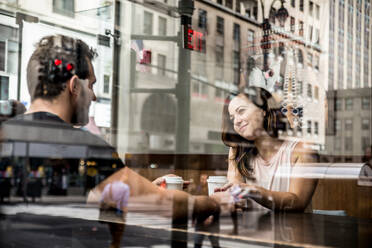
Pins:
x: 215, y: 182
x: 174, y: 183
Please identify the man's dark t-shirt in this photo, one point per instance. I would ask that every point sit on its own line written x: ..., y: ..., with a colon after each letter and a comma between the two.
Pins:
x: 45, y: 152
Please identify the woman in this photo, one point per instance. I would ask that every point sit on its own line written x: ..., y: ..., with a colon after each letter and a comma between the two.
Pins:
x: 260, y: 163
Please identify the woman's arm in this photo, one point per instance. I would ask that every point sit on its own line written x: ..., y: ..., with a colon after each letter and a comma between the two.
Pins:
x: 300, y: 189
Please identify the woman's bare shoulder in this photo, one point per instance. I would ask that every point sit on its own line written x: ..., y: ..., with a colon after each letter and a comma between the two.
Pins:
x: 304, y: 153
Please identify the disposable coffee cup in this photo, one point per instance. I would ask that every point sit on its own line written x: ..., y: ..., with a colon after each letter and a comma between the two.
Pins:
x: 174, y: 183
x: 215, y: 182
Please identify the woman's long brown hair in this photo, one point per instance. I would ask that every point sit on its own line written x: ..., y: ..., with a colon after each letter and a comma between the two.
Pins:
x: 245, y: 149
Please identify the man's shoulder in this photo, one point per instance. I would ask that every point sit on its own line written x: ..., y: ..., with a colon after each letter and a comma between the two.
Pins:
x: 49, y: 134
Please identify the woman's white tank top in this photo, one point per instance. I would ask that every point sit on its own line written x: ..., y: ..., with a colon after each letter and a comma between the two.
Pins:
x: 275, y: 174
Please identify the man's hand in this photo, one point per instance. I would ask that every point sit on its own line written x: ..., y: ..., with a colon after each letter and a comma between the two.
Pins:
x: 160, y: 181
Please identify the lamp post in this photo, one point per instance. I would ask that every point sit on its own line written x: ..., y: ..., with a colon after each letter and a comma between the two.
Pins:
x: 281, y: 14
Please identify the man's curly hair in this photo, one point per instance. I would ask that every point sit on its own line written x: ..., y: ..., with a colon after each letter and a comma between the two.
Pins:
x: 46, y: 78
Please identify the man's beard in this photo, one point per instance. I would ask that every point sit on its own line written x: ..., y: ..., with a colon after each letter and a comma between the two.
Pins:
x: 80, y: 117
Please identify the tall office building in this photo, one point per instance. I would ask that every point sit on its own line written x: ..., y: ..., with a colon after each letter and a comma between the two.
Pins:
x: 349, y: 80
x: 349, y: 47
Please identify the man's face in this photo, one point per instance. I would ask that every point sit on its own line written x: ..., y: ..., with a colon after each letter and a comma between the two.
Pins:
x: 86, y: 96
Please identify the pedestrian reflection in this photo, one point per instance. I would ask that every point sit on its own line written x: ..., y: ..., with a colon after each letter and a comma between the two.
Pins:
x: 113, y: 209
x: 206, y: 222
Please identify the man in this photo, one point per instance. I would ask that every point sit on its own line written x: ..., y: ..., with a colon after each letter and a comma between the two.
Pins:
x: 60, y: 79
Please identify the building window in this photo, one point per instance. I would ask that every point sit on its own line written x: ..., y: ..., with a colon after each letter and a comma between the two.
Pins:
x: 338, y: 125
x: 311, y: 8
x: 309, y: 91
x: 317, y: 11
x: 250, y: 37
x: 236, y: 37
x: 365, y: 143
x: 316, y: 65
x: 308, y: 127
x: 12, y: 56
x: 365, y: 124
x: 310, y: 59
x: 316, y: 128
x: 147, y: 23
x: 301, y: 5
x: 300, y: 56
x: 202, y: 19
x: 162, y: 26
x: 316, y: 92
x: 236, y: 32
x: 106, y: 84
x: 348, y: 143
x: 236, y: 67
x: 64, y: 7
x: 220, y: 25
x: 349, y: 104
x: 310, y: 33
x: 293, y: 3
x: 219, y: 93
x: 237, y: 7
x: 219, y: 1
x: 337, y: 143
x: 348, y: 125
x: 219, y: 62
x: 2, y: 55
x: 366, y: 102
x: 317, y: 36
x: 293, y: 24
x: 338, y: 104
x: 161, y: 64
x: 301, y: 29
x: 229, y: 3
x: 300, y: 87
x: 219, y: 56
x: 4, y: 88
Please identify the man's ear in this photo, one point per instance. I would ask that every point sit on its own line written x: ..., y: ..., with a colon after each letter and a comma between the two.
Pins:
x: 73, y: 85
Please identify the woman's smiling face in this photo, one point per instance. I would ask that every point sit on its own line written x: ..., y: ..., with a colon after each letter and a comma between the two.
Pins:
x: 246, y: 117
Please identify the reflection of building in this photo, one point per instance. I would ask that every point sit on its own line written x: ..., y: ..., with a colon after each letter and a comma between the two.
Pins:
x: 349, y: 49
x: 153, y: 65
x: 8, y: 58
x: 349, y: 125
x: 232, y: 36
x: 349, y: 79
x: 86, y: 20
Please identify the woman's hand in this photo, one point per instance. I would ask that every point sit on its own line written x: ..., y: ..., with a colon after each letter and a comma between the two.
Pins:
x: 224, y: 188
x: 241, y: 191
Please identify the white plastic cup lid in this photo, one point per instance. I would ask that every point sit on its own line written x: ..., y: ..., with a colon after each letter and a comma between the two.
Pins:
x: 177, y: 180
x: 217, y: 179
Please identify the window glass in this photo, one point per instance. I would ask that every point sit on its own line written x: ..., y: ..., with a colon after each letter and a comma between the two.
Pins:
x: 2, y: 55
x: 348, y: 125
x: 147, y: 23
x: 220, y: 25
x: 106, y: 105
x: 365, y: 124
x: 64, y: 7
x: 366, y: 102
x: 349, y: 104
x: 162, y: 26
